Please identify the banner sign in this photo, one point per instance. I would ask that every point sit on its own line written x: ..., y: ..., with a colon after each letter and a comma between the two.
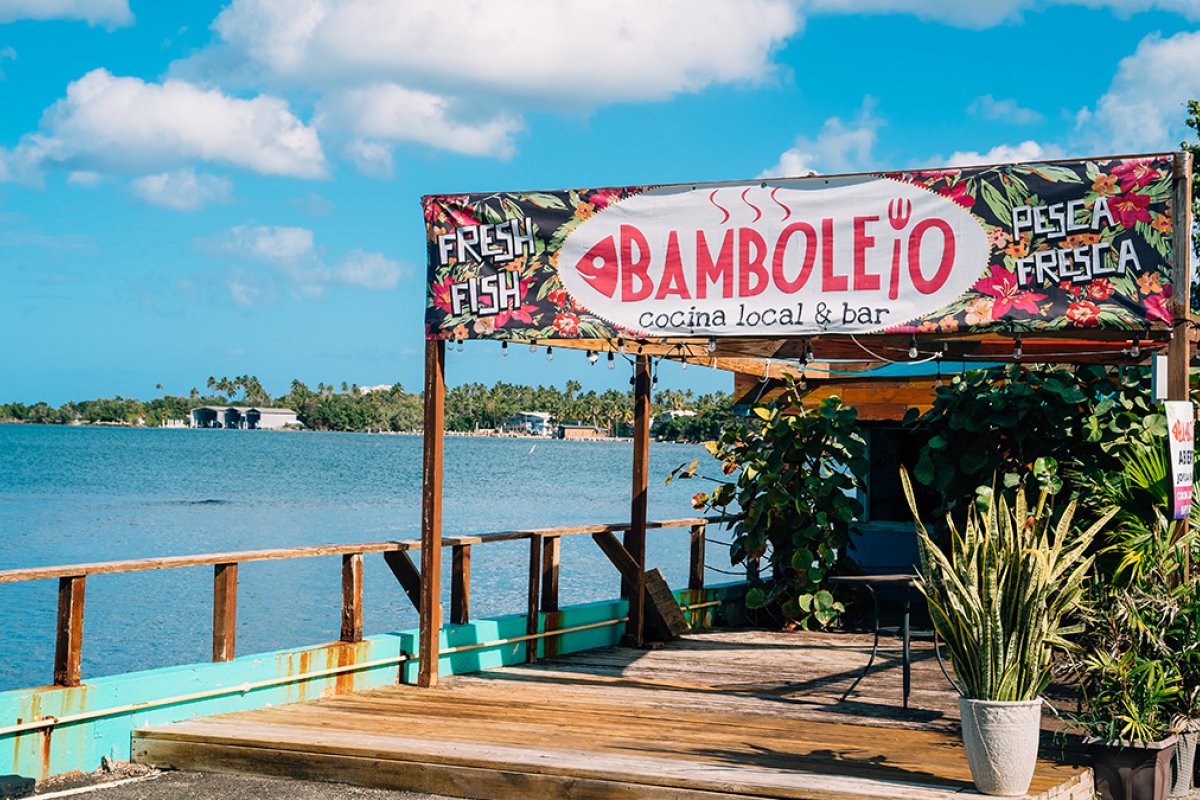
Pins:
x: 1181, y: 418
x: 1021, y: 247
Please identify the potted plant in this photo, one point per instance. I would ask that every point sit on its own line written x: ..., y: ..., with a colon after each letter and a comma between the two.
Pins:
x: 1139, y: 670
x: 1130, y: 687
x: 1000, y: 598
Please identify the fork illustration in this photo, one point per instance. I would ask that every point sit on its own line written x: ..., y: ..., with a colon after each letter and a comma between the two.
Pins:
x: 899, y: 213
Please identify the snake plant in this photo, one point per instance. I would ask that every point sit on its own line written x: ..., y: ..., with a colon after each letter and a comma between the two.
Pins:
x: 1000, y: 597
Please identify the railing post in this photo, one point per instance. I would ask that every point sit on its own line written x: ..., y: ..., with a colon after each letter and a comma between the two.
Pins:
x: 551, y: 552
x: 696, y: 562
x: 225, y: 579
x: 68, y: 644
x: 460, y: 584
x: 352, y: 597
x: 635, y: 537
x: 535, y: 584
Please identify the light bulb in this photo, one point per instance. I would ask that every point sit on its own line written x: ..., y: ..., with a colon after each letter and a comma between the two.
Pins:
x: 912, y: 348
x: 712, y: 345
x: 458, y: 344
x: 1136, y: 350
x: 808, y: 354
x: 683, y: 365
x: 592, y: 356
x: 533, y: 347
x: 803, y: 384
x: 1017, y: 351
x: 549, y: 353
x: 612, y: 360
x: 621, y: 346
x: 504, y: 349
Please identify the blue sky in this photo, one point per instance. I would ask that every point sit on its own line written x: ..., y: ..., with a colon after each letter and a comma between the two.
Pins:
x: 195, y: 189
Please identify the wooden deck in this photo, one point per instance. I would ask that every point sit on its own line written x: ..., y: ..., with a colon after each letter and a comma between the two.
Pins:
x: 717, y: 714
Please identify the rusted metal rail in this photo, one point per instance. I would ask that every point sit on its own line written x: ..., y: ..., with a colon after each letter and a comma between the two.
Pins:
x: 544, y: 556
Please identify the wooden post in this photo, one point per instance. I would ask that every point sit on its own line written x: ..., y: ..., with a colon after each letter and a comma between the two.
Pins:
x: 696, y: 562
x: 1178, y: 351
x: 68, y: 644
x: 460, y: 585
x: 551, y: 553
x: 535, y: 584
x: 352, y: 594
x: 431, y: 512
x: 635, y: 537
x: 225, y: 579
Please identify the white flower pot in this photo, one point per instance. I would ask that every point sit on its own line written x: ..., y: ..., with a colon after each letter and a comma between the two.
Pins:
x: 1001, y: 739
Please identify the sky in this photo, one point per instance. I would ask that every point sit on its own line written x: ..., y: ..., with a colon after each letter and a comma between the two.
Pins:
x: 203, y: 188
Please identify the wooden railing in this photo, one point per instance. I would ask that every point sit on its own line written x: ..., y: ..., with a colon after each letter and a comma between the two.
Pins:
x: 544, y: 556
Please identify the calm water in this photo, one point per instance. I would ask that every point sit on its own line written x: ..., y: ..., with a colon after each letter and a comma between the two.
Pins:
x: 71, y: 495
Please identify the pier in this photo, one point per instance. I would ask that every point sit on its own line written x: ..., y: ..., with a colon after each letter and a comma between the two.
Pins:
x: 727, y: 713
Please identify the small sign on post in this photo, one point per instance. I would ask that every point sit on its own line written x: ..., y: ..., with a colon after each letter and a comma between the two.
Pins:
x: 1181, y: 418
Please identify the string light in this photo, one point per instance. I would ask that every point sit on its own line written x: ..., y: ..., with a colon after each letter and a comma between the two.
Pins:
x: 533, y: 346
x: 549, y: 353
x: 912, y: 347
x: 802, y: 384
x: 1136, y: 350
x: 621, y: 346
x: 504, y: 349
x: 683, y: 364
x: 458, y: 343
x: 937, y: 383
x: 809, y: 357
x: 712, y: 344
x: 1017, y: 349
x: 612, y: 360
x: 592, y: 357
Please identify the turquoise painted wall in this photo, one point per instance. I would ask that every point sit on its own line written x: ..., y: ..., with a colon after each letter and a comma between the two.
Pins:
x: 79, y: 746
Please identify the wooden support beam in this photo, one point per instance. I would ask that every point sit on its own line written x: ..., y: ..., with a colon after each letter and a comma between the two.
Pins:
x: 352, y: 597
x: 460, y: 585
x: 696, y: 562
x: 68, y: 644
x: 635, y: 537
x: 618, y: 555
x: 407, y: 574
x: 431, y: 512
x: 225, y: 580
x: 551, y: 555
x: 1179, y: 350
x: 664, y: 619
x: 534, y: 610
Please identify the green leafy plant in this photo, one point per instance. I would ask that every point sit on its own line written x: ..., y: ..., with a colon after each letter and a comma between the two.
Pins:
x: 1002, y: 596
x: 998, y: 422
x: 793, y: 474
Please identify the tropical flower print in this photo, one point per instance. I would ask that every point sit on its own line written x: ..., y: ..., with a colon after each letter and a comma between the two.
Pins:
x: 1130, y: 209
x: 1158, y: 307
x: 1149, y: 284
x: 1135, y: 174
x: 567, y: 324
x: 1105, y: 185
x: 1002, y: 285
x: 1084, y: 314
x: 979, y: 312
x: 1100, y: 289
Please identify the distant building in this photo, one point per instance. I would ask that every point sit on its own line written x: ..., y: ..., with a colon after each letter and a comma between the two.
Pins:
x: 581, y: 432
x: 242, y: 418
x: 679, y: 412
x: 382, y: 387
x: 530, y: 423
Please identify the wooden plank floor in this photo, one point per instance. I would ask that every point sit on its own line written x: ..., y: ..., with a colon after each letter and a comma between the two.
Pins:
x: 718, y: 714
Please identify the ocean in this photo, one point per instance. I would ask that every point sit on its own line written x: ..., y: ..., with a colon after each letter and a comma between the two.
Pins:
x: 79, y: 494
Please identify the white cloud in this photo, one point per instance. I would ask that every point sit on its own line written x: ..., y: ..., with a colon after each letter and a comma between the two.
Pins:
x: 110, y: 13
x: 369, y: 270
x: 293, y: 252
x: 839, y: 147
x: 979, y: 14
x: 1003, y: 154
x: 371, y: 158
x: 1144, y: 107
x: 84, y: 178
x: 390, y: 112
x: 1007, y: 111
x: 111, y: 124
x: 577, y: 51
x: 183, y: 190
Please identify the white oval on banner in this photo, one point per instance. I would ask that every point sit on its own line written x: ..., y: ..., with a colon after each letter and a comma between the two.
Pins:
x: 748, y: 260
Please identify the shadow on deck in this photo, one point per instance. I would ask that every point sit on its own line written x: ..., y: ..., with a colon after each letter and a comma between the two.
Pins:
x: 746, y: 714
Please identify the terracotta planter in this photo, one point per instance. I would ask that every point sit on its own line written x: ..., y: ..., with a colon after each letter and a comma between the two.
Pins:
x: 1001, y: 740
x: 1132, y: 770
